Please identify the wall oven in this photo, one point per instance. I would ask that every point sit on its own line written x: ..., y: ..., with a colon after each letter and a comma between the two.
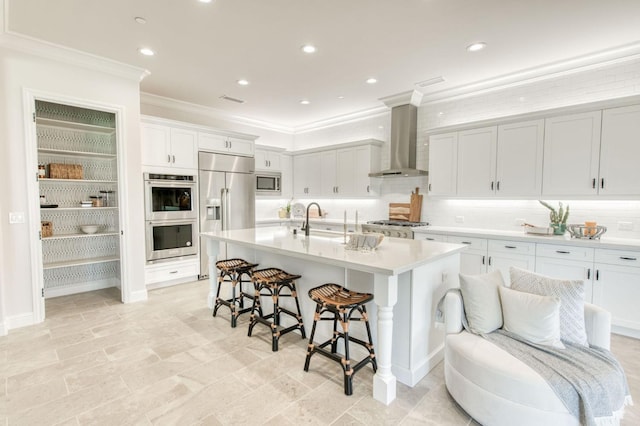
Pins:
x: 171, y: 216
x: 268, y: 183
x: 170, y: 197
x: 171, y: 238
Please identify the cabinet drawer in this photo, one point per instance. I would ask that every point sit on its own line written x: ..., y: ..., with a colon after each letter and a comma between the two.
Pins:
x: 156, y: 274
x: 618, y: 257
x: 557, y: 251
x: 429, y: 237
x: 504, y: 246
x: 475, y: 244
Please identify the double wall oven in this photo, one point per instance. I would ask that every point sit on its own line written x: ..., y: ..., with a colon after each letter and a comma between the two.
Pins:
x: 171, y: 216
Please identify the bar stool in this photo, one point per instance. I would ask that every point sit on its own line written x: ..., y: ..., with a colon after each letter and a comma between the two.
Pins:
x: 275, y: 283
x: 342, y: 304
x: 234, y: 269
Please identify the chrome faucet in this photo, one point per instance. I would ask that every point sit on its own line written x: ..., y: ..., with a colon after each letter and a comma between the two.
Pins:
x: 306, y: 226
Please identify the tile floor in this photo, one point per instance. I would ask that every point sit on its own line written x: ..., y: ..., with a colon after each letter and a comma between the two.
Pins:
x: 168, y: 362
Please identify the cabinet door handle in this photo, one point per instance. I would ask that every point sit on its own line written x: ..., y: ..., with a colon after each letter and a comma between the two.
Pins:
x: 173, y: 272
x: 337, y: 189
x: 173, y: 157
x: 492, y: 186
x: 628, y: 258
x: 429, y: 187
x: 563, y: 252
x: 429, y: 239
x: 368, y: 189
x: 589, y: 273
x: 483, y: 259
x: 498, y: 186
x: 466, y: 242
x: 597, y: 274
x: 602, y: 183
x: 489, y: 260
x: 168, y: 158
x: 593, y: 183
x: 510, y: 247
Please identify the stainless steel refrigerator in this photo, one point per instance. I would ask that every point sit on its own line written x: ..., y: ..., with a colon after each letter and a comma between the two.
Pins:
x: 227, y: 196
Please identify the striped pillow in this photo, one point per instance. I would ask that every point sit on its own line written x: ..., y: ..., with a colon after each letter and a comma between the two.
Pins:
x: 570, y: 293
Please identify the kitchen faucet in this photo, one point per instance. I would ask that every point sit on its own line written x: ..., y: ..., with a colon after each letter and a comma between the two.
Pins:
x: 306, y: 226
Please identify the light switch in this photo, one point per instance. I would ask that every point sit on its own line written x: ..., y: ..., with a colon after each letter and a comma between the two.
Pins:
x: 16, y: 217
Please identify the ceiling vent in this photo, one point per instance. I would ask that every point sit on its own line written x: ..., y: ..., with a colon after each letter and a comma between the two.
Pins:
x: 229, y: 98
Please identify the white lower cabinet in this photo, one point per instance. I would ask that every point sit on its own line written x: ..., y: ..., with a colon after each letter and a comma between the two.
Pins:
x: 489, y: 255
x: 567, y: 262
x: 169, y: 273
x: 616, y: 288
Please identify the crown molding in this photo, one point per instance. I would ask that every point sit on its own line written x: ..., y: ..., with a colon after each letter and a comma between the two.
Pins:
x: 343, y: 119
x: 600, y: 59
x: 413, y: 97
x: 188, y: 107
x: 45, y: 49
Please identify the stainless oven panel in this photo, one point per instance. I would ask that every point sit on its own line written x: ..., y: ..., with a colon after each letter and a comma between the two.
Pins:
x: 168, y: 239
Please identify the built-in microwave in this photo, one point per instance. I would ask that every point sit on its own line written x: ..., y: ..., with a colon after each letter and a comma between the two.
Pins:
x: 268, y: 183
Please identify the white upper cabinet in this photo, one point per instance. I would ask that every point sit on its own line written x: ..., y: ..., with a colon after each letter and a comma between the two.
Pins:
x: 164, y: 146
x: 339, y: 172
x: 519, y: 159
x: 306, y: 175
x: 477, y: 162
x: 620, y: 151
x: 225, y: 144
x: 571, y: 154
x: 268, y: 160
x: 443, y: 164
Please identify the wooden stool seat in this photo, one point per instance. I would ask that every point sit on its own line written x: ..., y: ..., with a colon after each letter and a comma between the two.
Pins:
x: 232, y: 270
x: 341, y: 304
x: 275, y: 283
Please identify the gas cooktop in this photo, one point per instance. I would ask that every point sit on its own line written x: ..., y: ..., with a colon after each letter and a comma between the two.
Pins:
x: 397, y: 223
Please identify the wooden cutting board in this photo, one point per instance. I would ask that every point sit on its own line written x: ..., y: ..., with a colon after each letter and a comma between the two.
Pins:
x: 399, y: 211
x: 415, y: 207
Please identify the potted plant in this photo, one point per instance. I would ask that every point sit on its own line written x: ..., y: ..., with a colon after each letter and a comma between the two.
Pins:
x: 557, y: 218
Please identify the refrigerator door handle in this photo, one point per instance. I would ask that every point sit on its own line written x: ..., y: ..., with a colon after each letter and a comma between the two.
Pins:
x: 223, y: 209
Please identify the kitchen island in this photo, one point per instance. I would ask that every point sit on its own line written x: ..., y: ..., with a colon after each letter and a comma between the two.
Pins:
x: 406, y: 277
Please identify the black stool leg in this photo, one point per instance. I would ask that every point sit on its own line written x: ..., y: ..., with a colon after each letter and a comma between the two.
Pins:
x: 299, y: 316
x: 311, y: 346
x: 217, y: 303
x: 372, y: 354
x: 232, y: 303
x: 275, y: 334
x: 348, y: 372
x: 256, y: 307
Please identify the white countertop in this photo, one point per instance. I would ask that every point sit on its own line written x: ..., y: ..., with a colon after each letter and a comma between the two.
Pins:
x: 394, y: 255
x: 604, y: 242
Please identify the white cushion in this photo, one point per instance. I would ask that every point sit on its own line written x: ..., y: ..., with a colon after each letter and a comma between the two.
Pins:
x: 495, y: 388
x: 570, y: 293
x: 482, y: 301
x: 534, y: 318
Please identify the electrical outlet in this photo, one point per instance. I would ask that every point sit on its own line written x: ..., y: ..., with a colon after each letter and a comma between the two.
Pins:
x: 459, y: 219
x: 16, y: 217
x: 625, y: 226
x: 519, y: 222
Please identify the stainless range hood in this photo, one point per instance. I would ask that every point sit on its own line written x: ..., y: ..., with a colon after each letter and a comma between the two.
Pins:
x: 404, y: 123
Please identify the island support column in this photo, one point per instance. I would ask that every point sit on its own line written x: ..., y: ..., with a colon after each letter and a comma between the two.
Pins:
x: 386, y: 295
x: 213, y: 250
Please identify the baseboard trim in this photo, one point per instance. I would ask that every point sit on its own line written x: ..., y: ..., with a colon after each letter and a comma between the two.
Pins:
x: 136, y: 296
x: 412, y: 376
x: 17, y: 321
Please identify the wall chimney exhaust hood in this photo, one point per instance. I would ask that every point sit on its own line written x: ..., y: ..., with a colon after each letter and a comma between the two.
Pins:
x: 404, y: 127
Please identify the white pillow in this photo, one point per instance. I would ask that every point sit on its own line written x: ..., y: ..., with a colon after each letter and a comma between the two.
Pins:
x: 482, y: 301
x: 570, y: 293
x: 532, y: 317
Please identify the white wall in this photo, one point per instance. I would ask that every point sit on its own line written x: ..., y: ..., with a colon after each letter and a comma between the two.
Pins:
x: 22, y: 71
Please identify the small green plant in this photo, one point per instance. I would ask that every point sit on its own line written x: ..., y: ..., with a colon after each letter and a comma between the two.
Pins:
x: 559, y: 216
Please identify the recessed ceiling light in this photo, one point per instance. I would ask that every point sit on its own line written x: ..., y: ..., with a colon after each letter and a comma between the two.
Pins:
x: 372, y: 80
x: 476, y: 46
x: 522, y: 99
x: 380, y: 127
x: 140, y: 20
x: 243, y: 82
x: 340, y: 97
x: 308, y: 48
x: 305, y: 102
x: 440, y: 113
x: 146, y: 51
x: 205, y: 1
